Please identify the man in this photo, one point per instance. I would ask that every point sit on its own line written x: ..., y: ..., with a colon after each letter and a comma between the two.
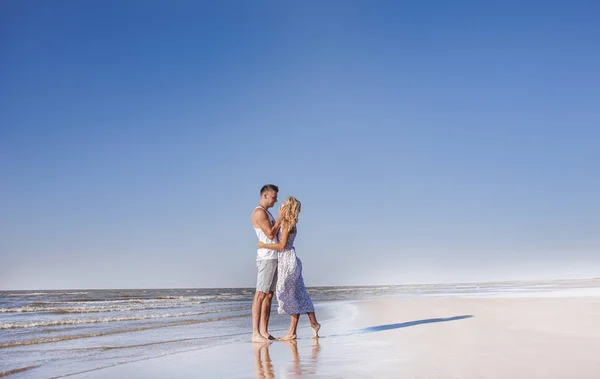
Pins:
x: 267, y: 230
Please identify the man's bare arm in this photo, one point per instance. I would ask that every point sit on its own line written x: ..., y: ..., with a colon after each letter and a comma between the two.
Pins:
x: 260, y: 219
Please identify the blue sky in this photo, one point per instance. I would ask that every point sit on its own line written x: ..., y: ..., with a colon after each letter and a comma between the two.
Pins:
x: 428, y: 141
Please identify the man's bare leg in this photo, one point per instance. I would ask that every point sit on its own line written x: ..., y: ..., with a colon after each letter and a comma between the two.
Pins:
x: 262, y: 361
x: 265, y: 314
x: 266, y: 360
x: 314, y: 324
x: 259, y: 299
x: 291, y: 334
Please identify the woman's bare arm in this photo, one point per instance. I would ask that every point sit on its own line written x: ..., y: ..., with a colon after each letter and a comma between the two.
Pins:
x: 276, y: 246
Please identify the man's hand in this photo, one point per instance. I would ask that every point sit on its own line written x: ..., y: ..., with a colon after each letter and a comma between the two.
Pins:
x: 261, y: 244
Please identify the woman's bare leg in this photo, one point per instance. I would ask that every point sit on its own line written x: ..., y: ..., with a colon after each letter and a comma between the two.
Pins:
x: 295, y: 357
x: 314, y: 324
x: 291, y: 334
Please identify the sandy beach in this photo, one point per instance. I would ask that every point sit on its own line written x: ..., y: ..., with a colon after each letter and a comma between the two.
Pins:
x: 431, y: 337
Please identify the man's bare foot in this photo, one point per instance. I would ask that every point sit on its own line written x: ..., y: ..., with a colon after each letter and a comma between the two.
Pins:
x: 315, y: 328
x: 258, y: 338
x: 287, y: 337
x: 268, y: 336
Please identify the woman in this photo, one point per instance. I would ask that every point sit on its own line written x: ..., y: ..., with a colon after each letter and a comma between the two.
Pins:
x: 291, y: 293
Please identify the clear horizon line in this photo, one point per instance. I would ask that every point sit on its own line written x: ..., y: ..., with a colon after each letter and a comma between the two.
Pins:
x: 321, y: 286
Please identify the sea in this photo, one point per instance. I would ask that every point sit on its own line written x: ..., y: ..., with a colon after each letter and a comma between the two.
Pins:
x: 55, y: 334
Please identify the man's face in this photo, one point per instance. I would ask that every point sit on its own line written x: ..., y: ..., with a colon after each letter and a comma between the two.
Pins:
x: 271, y: 197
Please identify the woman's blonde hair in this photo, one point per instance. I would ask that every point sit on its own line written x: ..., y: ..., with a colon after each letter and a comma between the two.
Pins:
x: 290, y: 210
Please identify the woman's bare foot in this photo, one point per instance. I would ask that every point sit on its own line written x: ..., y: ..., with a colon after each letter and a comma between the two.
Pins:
x: 268, y: 336
x: 287, y: 337
x: 259, y: 338
x: 315, y: 328
x: 315, y: 348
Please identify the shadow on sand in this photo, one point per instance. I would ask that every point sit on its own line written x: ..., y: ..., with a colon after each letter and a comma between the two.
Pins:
x: 380, y: 328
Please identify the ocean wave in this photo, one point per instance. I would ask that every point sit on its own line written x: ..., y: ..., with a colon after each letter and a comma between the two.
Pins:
x: 45, y: 293
x: 33, y: 324
x: 35, y: 341
x: 17, y: 370
x: 108, y: 309
x: 157, y: 299
x: 220, y: 297
x: 122, y: 305
x: 184, y: 298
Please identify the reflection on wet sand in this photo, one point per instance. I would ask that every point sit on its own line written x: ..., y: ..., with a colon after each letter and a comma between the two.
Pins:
x: 295, y: 368
x: 262, y: 361
x: 264, y: 367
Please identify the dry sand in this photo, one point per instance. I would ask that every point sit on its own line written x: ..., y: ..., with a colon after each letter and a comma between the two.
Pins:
x: 449, y: 338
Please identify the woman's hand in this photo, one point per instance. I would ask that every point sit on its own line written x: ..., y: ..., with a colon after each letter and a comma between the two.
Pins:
x: 261, y: 244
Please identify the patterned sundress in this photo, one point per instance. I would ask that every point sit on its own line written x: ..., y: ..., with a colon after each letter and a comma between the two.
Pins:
x: 291, y: 293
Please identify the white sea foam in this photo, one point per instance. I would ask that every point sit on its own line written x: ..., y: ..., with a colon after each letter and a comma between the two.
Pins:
x: 120, y: 305
x: 18, y: 325
x: 160, y: 299
x: 30, y: 294
x: 93, y: 309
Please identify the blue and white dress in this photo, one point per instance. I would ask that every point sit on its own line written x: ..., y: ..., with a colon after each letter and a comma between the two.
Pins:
x: 291, y: 293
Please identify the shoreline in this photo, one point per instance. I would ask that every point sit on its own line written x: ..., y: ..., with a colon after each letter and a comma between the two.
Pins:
x: 425, y: 337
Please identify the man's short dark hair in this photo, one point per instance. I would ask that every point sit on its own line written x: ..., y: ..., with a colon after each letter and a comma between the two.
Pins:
x: 269, y: 187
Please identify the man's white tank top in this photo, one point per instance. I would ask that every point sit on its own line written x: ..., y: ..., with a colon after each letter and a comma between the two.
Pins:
x: 263, y: 254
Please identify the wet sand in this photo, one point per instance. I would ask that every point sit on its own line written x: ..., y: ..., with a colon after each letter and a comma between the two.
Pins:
x: 552, y: 337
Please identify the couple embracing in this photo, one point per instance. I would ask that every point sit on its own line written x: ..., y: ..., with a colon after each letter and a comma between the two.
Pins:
x: 279, y: 270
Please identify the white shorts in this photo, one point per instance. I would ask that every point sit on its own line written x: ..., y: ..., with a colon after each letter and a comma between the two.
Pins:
x: 266, y: 279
